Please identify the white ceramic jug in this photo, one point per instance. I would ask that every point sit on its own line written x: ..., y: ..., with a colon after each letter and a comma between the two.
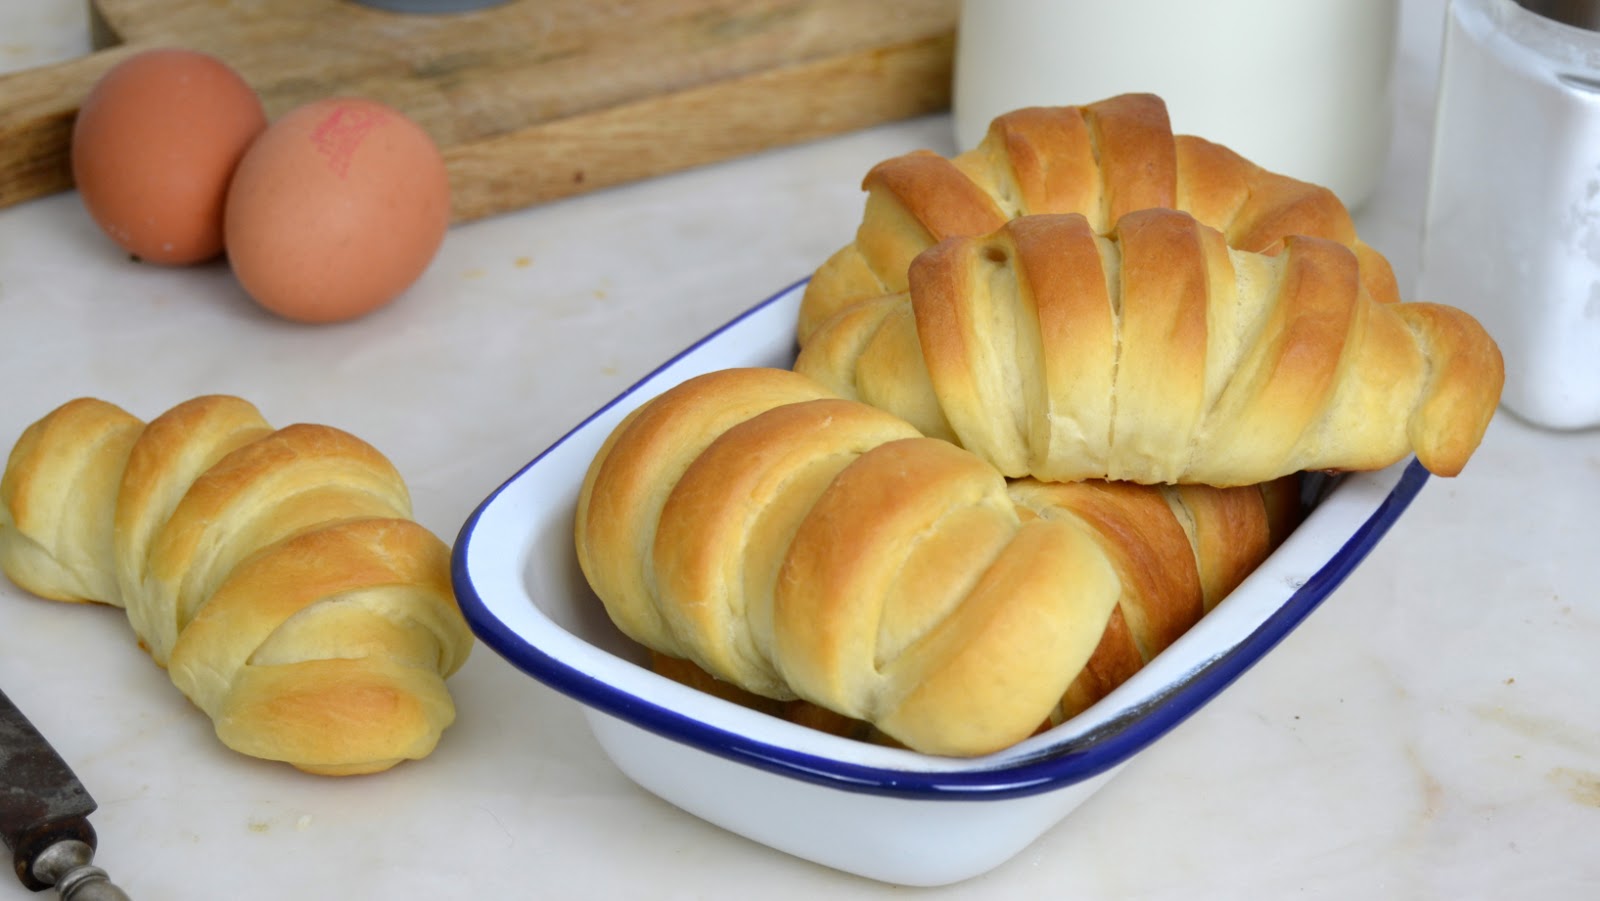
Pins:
x: 1302, y: 87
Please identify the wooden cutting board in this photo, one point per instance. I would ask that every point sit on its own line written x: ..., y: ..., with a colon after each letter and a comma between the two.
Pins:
x: 531, y: 100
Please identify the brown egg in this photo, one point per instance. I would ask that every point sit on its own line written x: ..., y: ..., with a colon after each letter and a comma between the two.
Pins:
x: 154, y: 145
x: 336, y: 210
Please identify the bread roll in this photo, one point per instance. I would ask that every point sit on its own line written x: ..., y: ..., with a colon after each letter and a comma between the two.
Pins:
x: 276, y: 573
x: 1102, y: 160
x: 796, y: 545
x: 1158, y: 354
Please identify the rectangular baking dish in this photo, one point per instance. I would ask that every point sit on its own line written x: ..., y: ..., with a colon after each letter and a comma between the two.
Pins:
x: 884, y: 813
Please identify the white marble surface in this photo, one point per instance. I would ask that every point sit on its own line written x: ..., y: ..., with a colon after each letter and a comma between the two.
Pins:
x: 1432, y: 732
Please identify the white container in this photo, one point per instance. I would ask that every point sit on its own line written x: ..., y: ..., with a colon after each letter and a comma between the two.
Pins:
x: 1512, y: 229
x: 880, y: 812
x: 1300, y: 87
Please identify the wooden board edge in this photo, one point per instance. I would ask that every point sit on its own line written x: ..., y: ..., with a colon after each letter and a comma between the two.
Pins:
x: 691, y: 128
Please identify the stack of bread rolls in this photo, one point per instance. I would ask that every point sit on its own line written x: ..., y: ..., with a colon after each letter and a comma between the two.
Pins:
x: 1051, y: 405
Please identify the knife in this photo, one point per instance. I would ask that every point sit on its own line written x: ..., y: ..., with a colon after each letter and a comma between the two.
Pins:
x: 44, y: 812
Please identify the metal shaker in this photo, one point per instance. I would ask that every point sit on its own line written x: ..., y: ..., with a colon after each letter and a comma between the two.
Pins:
x: 1512, y: 228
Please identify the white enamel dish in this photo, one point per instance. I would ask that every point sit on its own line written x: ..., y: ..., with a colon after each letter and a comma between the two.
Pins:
x: 884, y: 813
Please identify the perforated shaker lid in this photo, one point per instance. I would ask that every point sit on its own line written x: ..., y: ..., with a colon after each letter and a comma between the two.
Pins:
x: 1577, y: 13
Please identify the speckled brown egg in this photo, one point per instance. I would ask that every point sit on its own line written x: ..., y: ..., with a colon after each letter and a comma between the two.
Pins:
x: 336, y: 210
x: 154, y: 145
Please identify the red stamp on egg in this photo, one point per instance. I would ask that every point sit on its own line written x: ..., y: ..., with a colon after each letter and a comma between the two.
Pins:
x: 339, y: 135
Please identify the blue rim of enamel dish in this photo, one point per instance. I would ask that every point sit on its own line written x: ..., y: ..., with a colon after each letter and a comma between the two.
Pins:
x: 1052, y: 768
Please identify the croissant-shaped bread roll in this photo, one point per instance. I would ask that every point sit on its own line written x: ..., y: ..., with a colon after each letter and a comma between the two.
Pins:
x: 276, y: 574
x: 1102, y: 160
x: 1177, y: 552
x: 795, y: 544
x: 1157, y: 354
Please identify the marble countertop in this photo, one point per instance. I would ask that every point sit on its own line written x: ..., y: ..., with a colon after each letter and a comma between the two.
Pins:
x: 1433, y: 731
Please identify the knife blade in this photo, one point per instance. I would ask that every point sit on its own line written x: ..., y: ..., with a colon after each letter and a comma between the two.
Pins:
x: 44, y: 815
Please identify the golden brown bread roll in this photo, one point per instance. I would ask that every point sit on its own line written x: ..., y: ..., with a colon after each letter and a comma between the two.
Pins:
x: 1102, y: 160
x: 276, y: 573
x: 1177, y: 551
x: 1157, y: 354
x: 793, y: 544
